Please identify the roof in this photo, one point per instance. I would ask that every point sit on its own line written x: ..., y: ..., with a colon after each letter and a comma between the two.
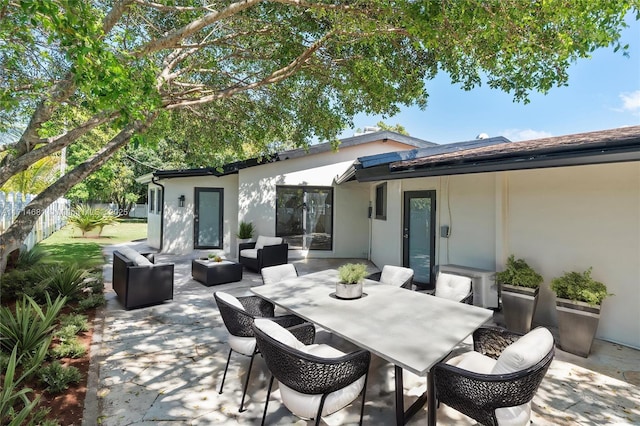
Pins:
x: 605, y: 146
x: 398, y: 156
x: 232, y: 168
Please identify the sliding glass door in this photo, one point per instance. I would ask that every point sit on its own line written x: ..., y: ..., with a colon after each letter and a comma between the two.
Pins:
x: 304, y: 217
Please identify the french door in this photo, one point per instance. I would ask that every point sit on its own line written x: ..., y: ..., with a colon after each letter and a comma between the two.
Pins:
x: 419, y: 235
x: 208, y: 218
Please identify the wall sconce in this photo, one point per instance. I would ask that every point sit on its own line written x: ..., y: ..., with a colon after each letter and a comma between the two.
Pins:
x: 181, y: 201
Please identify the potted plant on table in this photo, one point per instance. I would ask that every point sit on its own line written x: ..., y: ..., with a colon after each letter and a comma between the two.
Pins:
x: 351, y: 280
x: 520, y: 286
x: 245, y: 232
x: 215, y: 257
x: 578, y: 301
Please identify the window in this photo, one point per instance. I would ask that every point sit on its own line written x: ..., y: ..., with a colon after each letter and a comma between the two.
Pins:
x: 304, y: 216
x: 159, y: 201
x: 152, y: 200
x: 381, y: 201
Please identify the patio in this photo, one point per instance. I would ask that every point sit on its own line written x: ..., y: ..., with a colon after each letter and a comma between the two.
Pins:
x: 164, y: 364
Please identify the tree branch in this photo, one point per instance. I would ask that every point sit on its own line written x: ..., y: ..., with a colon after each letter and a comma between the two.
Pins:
x: 274, y: 77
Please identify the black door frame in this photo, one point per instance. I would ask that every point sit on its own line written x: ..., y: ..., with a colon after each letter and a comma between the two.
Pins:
x: 196, y: 217
x: 407, y: 195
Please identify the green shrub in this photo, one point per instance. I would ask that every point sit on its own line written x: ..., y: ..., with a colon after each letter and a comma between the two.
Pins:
x: 57, y: 377
x: 91, y: 302
x: 87, y: 218
x: 23, y: 282
x: 13, y: 396
x: 65, y: 280
x: 78, y: 322
x: 352, y: 273
x: 245, y: 230
x: 30, y: 258
x: 517, y: 272
x: 30, y: 326
x: 580, y: 286
x: 69, y: 348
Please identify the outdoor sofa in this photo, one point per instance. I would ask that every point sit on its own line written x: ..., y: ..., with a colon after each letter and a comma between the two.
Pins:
x: 139, y: 281
x: 265, y: 251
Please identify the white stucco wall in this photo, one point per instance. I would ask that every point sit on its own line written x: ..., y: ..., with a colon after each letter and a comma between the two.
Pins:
x: 559, y: 220
x: 178, y: 221
x: 574, y: 218
x: 257, y: 189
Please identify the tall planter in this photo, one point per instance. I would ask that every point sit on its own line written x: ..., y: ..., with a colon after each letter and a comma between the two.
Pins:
x: 578, y: 300
x: 577, y: 325
x: 519, y: 289
x: 518, y: 306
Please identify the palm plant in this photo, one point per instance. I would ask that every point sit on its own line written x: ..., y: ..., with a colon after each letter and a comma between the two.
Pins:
x: 30, y: 326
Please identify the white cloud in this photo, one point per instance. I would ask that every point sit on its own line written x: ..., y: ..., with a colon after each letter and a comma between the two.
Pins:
x: 524, y: 134
x: 631, y: 101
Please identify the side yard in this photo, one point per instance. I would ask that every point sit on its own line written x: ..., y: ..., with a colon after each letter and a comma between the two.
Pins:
x: 49, y: 299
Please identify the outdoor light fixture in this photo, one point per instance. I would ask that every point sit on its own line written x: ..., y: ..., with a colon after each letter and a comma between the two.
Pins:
x: 181, y: 201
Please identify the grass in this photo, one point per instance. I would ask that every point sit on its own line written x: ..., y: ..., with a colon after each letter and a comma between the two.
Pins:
x: 68, y: 245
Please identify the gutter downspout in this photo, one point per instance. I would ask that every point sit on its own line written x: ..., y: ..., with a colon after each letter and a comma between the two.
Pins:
x: 153, y: 180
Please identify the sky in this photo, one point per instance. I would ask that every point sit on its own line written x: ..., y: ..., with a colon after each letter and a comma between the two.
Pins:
x: 603, y: 93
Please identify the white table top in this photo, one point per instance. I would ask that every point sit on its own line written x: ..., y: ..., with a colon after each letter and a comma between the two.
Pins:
x: 409, y: 329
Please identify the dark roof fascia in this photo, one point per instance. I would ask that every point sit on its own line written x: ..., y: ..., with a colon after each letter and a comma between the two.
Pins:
x: 227, y: 169
x: 233, y: 168
x: 597, y: 153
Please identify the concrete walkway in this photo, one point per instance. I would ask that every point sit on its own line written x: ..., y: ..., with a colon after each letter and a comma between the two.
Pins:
x: 162, y: 365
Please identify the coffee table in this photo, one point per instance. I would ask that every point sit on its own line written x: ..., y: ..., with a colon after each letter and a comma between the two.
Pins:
x: 411, y: 330
x: 211, y: 273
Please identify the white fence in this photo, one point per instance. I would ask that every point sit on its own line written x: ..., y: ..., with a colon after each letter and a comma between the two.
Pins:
x: 52, y: 219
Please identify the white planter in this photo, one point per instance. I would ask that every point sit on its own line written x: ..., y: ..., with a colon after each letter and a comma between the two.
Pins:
x: 349, y: 291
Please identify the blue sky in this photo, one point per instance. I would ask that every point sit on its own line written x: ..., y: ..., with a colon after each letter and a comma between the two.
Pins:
x: 603, y: 93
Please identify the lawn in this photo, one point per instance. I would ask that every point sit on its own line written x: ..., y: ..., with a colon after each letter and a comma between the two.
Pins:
x: 68, y: 244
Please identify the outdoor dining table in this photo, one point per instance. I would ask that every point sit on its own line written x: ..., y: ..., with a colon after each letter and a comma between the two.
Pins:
x: 409, y: 329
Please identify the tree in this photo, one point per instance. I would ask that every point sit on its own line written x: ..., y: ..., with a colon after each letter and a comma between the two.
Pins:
x: 251, y: 72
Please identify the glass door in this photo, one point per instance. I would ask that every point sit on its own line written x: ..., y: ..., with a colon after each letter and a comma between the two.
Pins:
x: 208, y: 218
x: 304, y: 217
x: 419, y: 237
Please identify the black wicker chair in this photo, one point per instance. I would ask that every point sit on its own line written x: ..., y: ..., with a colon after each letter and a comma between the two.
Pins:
x: 238, y: 322
x: 394, y: 275
x: 309, y: 373
x: 479, y: 395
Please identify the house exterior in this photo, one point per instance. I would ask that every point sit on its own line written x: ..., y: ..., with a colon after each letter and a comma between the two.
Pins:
x: 564, y: 203
x: 291, y: 194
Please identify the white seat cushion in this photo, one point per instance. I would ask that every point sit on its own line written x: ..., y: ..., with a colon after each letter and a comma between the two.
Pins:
x: 275, y: 274
x: 243, y: 345
x: 250, y: 253
x: 473, y: 361
x: 278, y: 332
x: 452, y: 287
x: 306, y: 406
x: 134, y: 256
x: 526, y: 352
x: 230, y: 299
x: 267, y: 241
x: 395, y: 275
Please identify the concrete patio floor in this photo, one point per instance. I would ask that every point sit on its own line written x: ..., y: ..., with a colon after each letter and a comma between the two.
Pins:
x: 163, y: 365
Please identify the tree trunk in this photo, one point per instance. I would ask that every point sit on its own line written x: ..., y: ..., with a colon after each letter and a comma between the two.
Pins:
x: 15, y: 235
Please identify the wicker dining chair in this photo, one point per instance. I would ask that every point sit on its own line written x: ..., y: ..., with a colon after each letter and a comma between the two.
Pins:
x: 495, y: 383
x: 454, y: 287
x: 315, y: 380
x: 238, y: 315
x: 277, y: 273
x: 398, y: 276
